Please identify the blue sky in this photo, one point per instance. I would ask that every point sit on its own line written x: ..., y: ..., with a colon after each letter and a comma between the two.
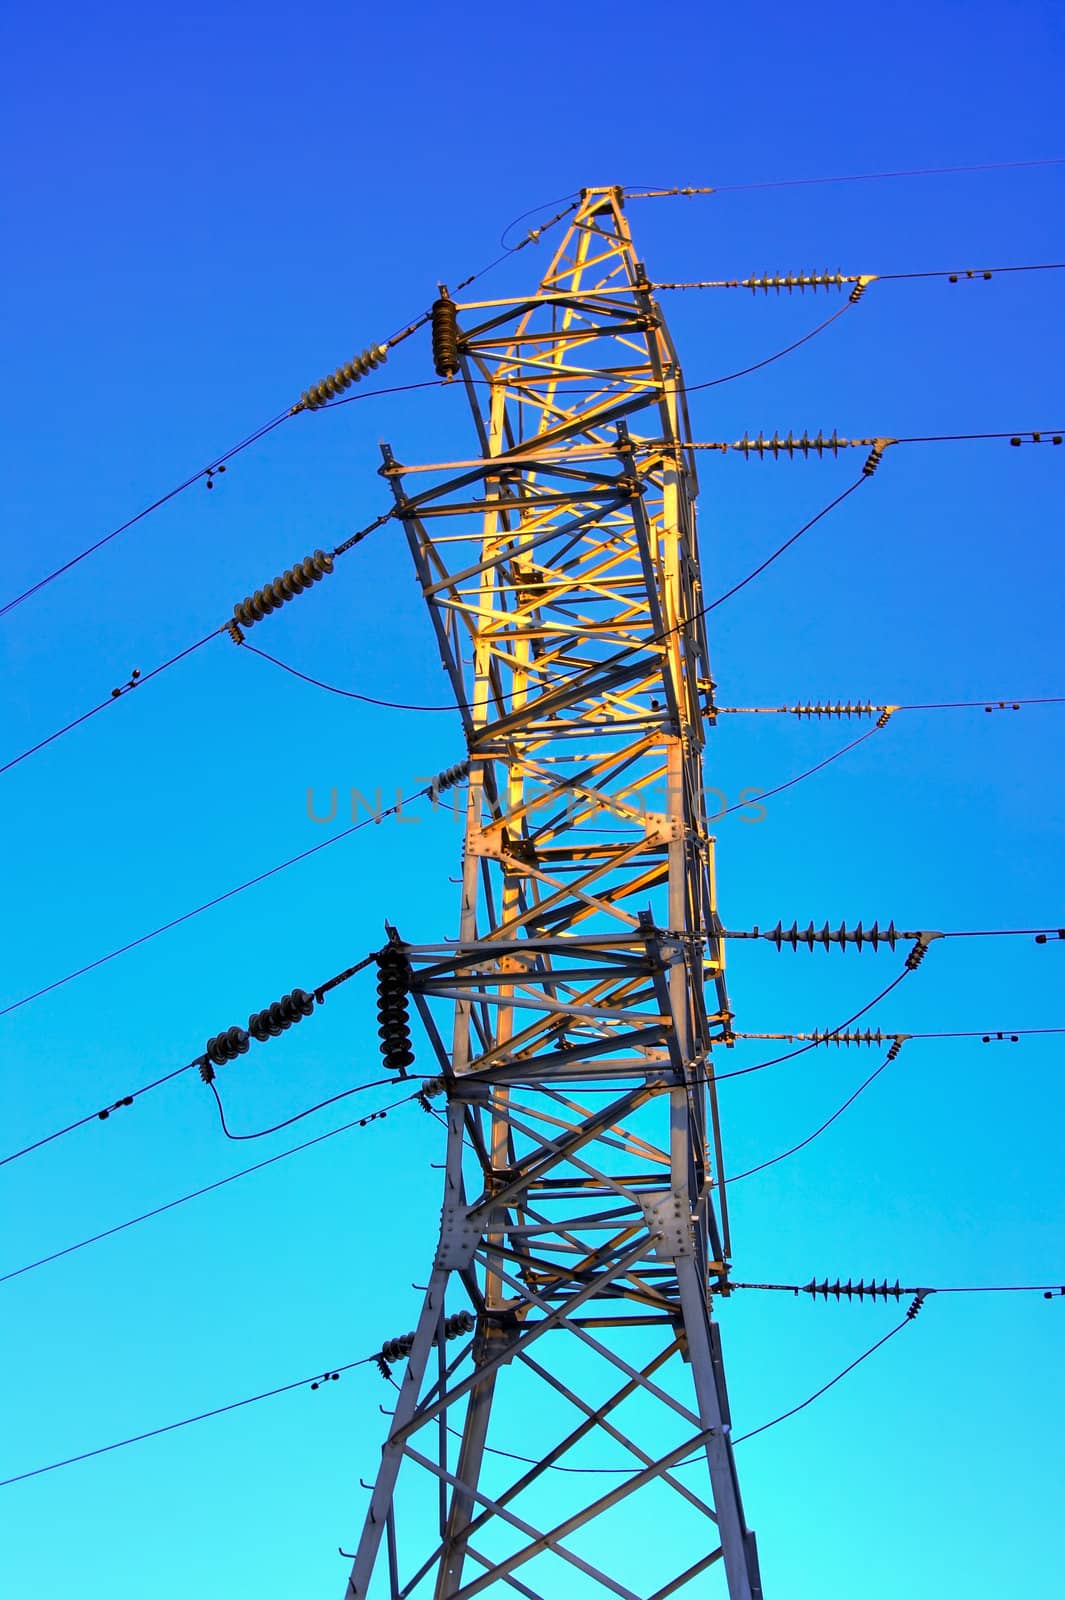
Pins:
x: 207, y: 211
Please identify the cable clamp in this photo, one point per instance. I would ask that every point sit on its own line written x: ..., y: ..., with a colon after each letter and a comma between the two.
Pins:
x: 876, y: 455
x: 918, y: 1301
x: 860, y: 287
x: 920, y: 950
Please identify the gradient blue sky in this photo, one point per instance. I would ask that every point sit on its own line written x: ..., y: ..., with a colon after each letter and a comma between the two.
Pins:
x: 207, y: 210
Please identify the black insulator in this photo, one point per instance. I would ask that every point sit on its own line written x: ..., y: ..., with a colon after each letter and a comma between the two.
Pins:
x: 335, y: 383
x: 253, y: 608
x: 445, y: 331
x: 458, y: 1323
x: 275, y: 1018
x: 397, y: 1349
x: 893, y: 1049
x: 393, y: 987
x: 449, y: 778
x: 455, y: 1326
x: 226, y: 1046
x: 917, y: 1303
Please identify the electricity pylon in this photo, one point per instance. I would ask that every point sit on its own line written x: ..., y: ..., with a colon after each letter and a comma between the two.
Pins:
x: 578, y: 1443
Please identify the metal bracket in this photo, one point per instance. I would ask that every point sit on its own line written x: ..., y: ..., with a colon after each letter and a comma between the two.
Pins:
x: 669, y: 1222
x: 661, y: 829
x: 459, y: 1238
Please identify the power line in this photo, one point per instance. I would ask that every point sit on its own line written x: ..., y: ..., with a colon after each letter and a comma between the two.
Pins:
x: 265, y: 600
x: 873, y: 1348
x: 863, y: 1291
x: 794, y: 1149
x: 195, y: 1194
x: 319, y: 1379
x: 756, y: 366
x: 736, y: 587
x: 690, y: 388
x: 349, y: 694
x: 987, y: 1035
x: 208, y: 905
x: 619, y: 655
x: 773, y: 1061
x: 220, y: 1049
x: 345, y: 1094
x: 821, y: 444
x: 788, y: 283
x: 102, y: 1115
x: 664, y: 192
x: 316, y: 1380
x: 218, y: 464
x: 860, y: 936
x: 808, y: 711
x: 136, y: 681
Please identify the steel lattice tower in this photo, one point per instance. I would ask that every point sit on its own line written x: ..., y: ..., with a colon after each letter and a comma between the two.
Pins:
x: 583, y: 1223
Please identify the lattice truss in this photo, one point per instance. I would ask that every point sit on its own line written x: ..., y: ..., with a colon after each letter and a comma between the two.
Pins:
x: 583, y: 1222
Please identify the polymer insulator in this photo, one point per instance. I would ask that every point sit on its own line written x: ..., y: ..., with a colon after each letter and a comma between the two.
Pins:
x: 796, y: 280
x: 449, y: 778
x: 918, y: 1301
x: 825, y: 936
x: 233, y: 629
x: 894, y: 1048
x: 226, y: 1046
x: 834, y: 708
x: 445, y: 334
x: 319, y: 394
x: 855, y: 1291
x: 281, y: 1014
x: 790, y: 445
x: 871, y: 1036
x: 885, y: 716
x: 273, y: 595
x: 393, y: 987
